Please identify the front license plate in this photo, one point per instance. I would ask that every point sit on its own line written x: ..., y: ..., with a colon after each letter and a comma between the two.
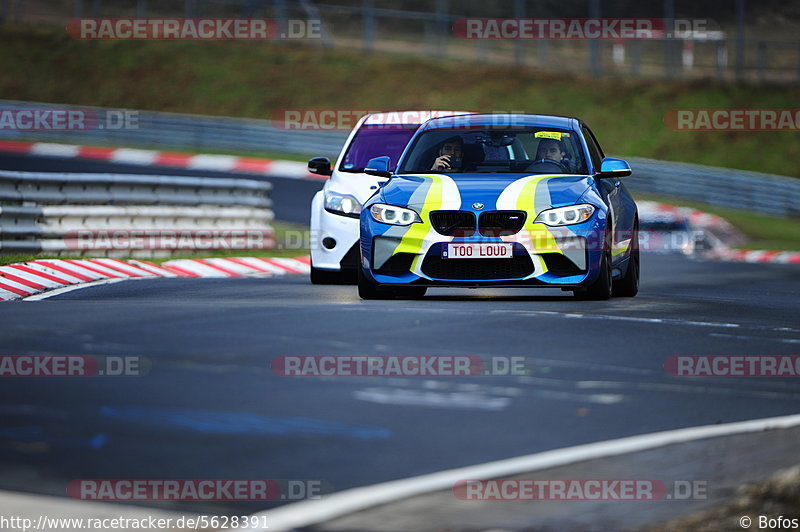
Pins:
x: 478, y: 251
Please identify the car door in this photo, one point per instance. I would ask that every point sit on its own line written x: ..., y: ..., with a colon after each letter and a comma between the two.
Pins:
x: 613, y: 193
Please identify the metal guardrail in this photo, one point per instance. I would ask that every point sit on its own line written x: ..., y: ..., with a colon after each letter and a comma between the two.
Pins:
x: 127, y: 214
x: 722, y: 187
x: 758, y: 192
x: 183, y: 131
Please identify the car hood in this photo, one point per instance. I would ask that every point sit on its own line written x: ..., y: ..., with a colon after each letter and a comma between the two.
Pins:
x: 485, y: 192
x: 360, y: 185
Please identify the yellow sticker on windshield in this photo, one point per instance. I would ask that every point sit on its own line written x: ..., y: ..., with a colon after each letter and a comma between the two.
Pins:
x: 550, y: 135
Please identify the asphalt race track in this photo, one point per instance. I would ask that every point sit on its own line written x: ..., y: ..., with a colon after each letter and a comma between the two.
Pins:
x: 211, y: 407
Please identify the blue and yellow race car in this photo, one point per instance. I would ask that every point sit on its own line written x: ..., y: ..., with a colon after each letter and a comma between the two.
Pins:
x: 505, y: 200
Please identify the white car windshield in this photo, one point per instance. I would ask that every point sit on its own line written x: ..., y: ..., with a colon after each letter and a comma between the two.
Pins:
x: 376, y: 141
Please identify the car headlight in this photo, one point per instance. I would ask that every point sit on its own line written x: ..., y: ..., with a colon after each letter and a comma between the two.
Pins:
x: 390, y: 214
x: 343, y: 204
x: 573, y: 214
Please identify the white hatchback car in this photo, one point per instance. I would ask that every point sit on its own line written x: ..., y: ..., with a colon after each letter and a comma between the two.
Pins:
x: 335, y: 209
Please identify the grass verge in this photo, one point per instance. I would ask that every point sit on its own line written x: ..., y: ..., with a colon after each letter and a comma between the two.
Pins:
x: 257, y: 79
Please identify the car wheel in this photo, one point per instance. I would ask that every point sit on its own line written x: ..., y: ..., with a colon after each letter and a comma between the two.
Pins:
x: 319, y: 276
x: 367, y: 289
x: 628, y: 286
x: 414, y: 292
x: 600, y: 290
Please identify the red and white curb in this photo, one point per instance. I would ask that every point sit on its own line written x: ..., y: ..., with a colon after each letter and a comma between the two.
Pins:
x: 207, y: 162
x: 699, y: 219
x: 720, y: 227
x: 755, y: 256
x: 19, y: 281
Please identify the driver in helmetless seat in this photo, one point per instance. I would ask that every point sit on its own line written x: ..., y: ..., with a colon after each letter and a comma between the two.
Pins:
x: 554, y: 150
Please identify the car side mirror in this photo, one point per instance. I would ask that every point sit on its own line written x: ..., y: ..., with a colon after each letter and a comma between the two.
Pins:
x: 379, y: 166
x: 611, y: 167
x: 320, y: 166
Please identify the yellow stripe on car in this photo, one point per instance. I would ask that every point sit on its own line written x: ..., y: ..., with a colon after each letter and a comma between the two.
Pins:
x: 540, y: 237
x: 441, y: 193
x: 414, y: 238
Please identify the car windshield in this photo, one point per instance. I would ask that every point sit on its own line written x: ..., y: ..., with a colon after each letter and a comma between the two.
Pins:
x: 497, y: 150
x: 376, y: 141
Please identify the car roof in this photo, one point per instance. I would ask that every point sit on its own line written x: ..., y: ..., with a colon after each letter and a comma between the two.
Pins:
x: 408, y: 116
x: 497, y: 119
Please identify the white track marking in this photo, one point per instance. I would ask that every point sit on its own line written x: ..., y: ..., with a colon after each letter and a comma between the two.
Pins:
x: 760, y: 338
x: 131, y: 156
x: 310, y: 512
x: 428, y: 398
x: 687, y: 388
x: 671, y: 321
x: 64, y: 290
x: 54, y: 150
x: 220, y: 163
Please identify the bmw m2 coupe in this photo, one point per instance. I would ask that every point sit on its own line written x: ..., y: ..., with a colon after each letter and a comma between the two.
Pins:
x: 501, y: 200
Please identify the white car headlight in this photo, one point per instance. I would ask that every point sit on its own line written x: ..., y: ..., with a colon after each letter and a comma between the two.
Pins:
x: 390, y: 214
x: 344, y: 204
x: 573, y: 214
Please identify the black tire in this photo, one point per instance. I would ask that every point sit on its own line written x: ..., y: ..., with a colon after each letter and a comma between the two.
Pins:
x: 319, y: 276
x: 628, y: 286
x: 600, y: 290
x: 368, y: 290
x: 412, y: 292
